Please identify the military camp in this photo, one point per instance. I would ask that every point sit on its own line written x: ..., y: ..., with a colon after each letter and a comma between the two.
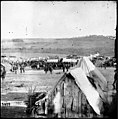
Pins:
x: 58, y: 59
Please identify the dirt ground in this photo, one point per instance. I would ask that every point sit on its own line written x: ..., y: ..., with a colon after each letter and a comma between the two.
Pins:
x: 17, y: 86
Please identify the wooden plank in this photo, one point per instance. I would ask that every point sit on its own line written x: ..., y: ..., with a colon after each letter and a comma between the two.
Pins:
x: 65, y: 108
x: 82, y: 115
x: 88, y: 109
x: 83, y: 105
x: 79, y: 103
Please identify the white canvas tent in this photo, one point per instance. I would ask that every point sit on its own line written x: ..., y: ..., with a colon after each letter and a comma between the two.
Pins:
x: 69, y: 60
x: 52, y: 60
x: 92, y: 95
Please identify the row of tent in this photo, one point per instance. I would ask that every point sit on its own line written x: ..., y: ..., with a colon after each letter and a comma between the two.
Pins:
x: 56, y: 60
x: 63, y: 60
x: 11, y: 59
x: 84, y: 79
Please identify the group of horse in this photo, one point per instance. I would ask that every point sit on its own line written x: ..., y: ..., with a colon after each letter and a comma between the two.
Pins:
x: 104, y: 62
x: 41, y: 65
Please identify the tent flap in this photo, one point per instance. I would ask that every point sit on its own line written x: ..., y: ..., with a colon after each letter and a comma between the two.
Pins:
x: 91, y: 94
x: 90, y: 70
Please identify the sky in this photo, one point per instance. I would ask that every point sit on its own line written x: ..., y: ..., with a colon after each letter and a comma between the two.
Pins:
x: 57, y: 19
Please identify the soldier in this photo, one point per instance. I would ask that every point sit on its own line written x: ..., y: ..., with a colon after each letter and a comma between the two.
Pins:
x: 12, y: 65
x: 15, y: 68
x: 22, y: 69
x: 67, y: 67
x: 50, y: 69
x: 105, y: 65
x: 46, y: 68
x: 63, y: 66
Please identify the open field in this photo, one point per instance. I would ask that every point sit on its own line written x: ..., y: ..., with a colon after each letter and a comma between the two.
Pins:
x: 35, y: 78
x: 61, y: 47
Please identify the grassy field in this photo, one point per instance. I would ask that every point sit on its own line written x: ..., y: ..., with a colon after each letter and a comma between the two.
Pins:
x: 42, y: 82
x: 61, y: 47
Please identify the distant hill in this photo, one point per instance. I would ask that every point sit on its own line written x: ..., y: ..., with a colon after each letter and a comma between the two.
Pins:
x: 77, y: 45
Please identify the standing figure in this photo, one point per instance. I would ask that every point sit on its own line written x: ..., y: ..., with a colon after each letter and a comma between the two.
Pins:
x: 104, y: 65
x: 67, y: 67
x: 22, y: 68
x: 12, y: 65
x: 63, y: 66
x: 46, y: 68
x: 50, y: 69
x: 15, y: 68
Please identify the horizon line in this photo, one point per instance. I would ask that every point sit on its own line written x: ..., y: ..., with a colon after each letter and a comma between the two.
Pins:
x: 59, y: 37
